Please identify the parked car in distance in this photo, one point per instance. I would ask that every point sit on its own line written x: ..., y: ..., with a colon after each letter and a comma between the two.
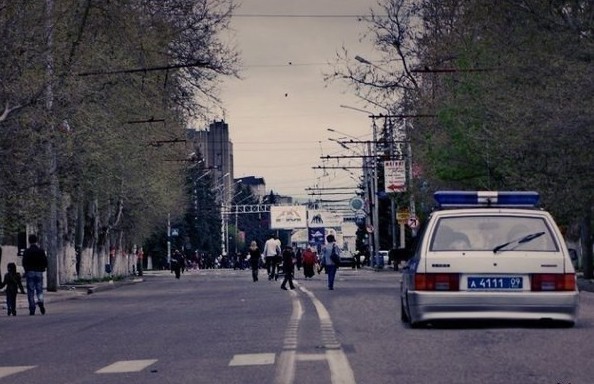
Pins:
x: 347, y: 258
x: 489, y: 256
x: 385, y: 255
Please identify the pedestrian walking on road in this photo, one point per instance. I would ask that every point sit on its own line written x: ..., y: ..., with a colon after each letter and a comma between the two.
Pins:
x: 13, y: 284
x: 34, y: 264
x: 327, y: 261
x: 177, y: 262
x: 288, y: 267
x: 254, y: 257
x: 272, y: 252
x: 309, y: 260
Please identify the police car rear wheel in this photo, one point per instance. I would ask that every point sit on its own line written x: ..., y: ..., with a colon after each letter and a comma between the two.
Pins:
x: 403, y: 316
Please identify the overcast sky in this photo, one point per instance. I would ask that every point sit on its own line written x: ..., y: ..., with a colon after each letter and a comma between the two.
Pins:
x: 279, y: 113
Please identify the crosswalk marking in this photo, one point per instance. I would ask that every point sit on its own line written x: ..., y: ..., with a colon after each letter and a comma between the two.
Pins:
x: 127, y: 366
x: 7, y: 371
x: 311, y: 356
x: 252, y: 359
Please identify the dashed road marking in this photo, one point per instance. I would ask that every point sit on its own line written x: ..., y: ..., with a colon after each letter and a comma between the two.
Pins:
x: 340, y: 369
x: 252, y: 359
x: 7, y: 371
x: 127, y: 366
x: 285, y: 370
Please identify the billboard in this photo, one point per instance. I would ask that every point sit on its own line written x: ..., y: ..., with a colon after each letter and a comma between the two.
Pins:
x: 288, y: 216
x: 316, y: 236
x: 323, y: 218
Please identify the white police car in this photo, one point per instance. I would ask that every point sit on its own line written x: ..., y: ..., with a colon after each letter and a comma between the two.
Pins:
x: 489, y: 255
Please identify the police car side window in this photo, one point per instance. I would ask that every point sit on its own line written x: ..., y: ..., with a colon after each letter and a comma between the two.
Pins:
x: 418, y: 240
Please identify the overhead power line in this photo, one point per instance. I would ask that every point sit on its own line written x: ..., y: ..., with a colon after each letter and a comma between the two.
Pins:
x: 144, y: 69
x: 302, y: 16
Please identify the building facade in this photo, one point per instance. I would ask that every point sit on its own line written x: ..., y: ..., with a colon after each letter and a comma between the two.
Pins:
x: 216, y: 148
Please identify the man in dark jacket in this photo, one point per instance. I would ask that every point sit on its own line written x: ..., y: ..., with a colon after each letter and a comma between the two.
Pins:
x: 34, y: 264
x: 288, y: 267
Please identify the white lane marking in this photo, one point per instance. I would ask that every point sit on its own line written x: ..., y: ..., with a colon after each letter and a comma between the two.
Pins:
x: 252, y: 359
x: 311, y: 357
x: 126, y: 366
x: 285, y: 369
x: 7, y: 371
x: 340, y: 369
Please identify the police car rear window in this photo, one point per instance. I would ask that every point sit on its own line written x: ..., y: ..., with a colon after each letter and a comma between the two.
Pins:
x: 498, y: 233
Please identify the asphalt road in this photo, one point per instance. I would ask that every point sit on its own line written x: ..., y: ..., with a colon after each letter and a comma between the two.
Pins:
x: 219, y: 327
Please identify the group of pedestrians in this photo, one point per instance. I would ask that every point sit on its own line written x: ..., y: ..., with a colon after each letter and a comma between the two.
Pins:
x: 34, y: 264
x: 272, y: 255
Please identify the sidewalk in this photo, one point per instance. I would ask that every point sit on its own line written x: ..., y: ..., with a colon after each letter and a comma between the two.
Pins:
x: 68, y: 292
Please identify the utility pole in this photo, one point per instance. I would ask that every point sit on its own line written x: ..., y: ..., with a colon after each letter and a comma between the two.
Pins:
x: 169, y: 239
x: 392, y: 197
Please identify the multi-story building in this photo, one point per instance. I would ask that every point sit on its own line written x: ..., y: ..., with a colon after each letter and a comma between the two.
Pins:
x: 216, y: 148
x: 257, y: 186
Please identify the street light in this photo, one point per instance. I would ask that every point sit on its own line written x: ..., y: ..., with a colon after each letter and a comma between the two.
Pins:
x: 363, y: 60
x: 222, y: 201
x: 356, y: 109
x: 236, y: 213
x: 343, y: 144
x: 371, y: 182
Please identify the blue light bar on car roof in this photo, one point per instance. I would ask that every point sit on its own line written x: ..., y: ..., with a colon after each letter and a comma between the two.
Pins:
x: 486, y: 198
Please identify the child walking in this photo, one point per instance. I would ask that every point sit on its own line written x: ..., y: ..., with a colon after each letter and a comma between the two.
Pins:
x: 12, y: 282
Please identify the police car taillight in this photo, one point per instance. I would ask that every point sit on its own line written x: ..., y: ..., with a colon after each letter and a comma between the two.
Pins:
x: 553, y: 282
x: 486, y: 198
x: 437, y: 282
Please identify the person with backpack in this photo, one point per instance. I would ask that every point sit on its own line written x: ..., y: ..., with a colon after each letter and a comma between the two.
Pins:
x: 330, y: 259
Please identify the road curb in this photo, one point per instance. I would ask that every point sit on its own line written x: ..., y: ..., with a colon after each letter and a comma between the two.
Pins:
x: 107, y: 285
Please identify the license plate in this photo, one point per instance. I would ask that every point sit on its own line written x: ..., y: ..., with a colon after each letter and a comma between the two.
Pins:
x: 494, y: 283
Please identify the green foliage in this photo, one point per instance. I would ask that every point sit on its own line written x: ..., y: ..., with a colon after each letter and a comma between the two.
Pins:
x: 510, y: 83
x: 125, y: 77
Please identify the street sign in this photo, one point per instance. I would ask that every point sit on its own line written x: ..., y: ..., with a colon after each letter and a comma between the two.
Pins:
x: 402, y: 216
x: 395, y: 176
x: 357, y: 204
